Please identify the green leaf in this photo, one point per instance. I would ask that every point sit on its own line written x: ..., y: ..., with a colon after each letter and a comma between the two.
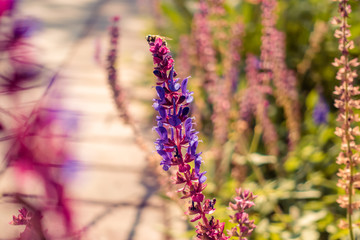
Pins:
x: 292, y: 164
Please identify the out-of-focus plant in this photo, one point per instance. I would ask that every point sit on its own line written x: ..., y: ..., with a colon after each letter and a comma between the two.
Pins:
x: 273, y: 54
x: 18, y: 63
x: 112, y: 71
x: 321, y: 111
x: 39, y: 152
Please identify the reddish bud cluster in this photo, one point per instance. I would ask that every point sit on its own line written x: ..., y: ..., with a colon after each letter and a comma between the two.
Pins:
x: 243, y: 200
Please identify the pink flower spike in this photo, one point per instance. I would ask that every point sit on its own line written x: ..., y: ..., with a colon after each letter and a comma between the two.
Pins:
x: 244, y: 227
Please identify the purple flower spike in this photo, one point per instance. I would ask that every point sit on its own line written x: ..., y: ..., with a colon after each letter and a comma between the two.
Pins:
x: 175, y: 130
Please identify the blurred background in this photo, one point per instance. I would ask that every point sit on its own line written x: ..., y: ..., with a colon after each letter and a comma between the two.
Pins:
x: 262, y: 79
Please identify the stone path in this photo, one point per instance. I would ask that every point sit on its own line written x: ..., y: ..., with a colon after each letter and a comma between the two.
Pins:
x: 113, y: 193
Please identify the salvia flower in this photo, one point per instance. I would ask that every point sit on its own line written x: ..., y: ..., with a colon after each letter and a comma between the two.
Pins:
x: 243, y: 201
x: 321, y: 111
x: 175, y: 128
x: 178, y: 141
x: 346, y: 103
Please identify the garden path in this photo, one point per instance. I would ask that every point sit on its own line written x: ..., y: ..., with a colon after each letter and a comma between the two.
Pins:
x: 113, y: 193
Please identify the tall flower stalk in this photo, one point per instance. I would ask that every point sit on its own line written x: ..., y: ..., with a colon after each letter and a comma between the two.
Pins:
x: 178, y: 141
x: 117, y: 90
x: 205, y: 52
x: 274, y: 69
x: 224, y: 99
x: 349, y: 179
x: 254, y: 103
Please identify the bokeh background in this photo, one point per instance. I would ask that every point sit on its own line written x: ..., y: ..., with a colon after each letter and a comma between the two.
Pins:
x: 266, y: 127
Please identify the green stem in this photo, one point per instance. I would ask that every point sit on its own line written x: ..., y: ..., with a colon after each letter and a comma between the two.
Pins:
x: 258, y: 173
x: 255, y: 141
x: 253, y: 146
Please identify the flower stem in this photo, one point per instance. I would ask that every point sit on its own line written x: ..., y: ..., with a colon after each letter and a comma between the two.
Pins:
x: 347, y: 122
x: 258, y: 173
x: 255, y: 141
